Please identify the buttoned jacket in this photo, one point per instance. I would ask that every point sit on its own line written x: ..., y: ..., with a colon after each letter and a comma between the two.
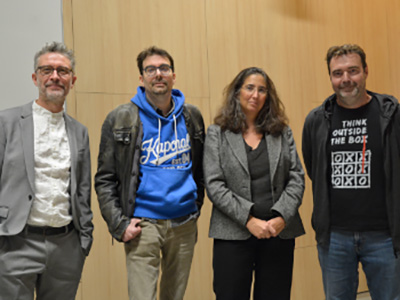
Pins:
x: 17, y: 173
x: 228, y: 183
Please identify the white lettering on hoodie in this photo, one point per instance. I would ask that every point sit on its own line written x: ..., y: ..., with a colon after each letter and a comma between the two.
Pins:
x: 162, y: 152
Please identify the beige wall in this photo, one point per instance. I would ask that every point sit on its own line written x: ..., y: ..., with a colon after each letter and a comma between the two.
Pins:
x: 211, y: 41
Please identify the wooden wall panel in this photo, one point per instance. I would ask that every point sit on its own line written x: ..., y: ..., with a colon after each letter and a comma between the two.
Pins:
x: 112, y: 33
x: 211, y: 41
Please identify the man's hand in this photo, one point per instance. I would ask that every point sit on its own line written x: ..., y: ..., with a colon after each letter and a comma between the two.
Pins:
x: 132, y: 231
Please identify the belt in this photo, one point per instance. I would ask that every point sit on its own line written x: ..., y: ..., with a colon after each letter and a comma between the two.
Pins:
x: 46, y: 230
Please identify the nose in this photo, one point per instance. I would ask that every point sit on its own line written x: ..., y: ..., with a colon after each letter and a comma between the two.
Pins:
x: 54, y: 75
x: 158, y: 72
x: 255, y: 93
x: 346, y: 76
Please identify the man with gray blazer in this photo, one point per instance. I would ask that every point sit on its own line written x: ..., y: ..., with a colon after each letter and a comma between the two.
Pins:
x: 45, y: 182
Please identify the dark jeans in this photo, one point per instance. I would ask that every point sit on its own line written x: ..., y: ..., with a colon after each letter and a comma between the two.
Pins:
x: 235, y: 262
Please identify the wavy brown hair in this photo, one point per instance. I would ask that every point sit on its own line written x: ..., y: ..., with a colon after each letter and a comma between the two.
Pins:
x: 271, y: 118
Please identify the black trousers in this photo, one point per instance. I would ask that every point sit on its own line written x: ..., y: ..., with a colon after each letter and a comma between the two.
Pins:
x: 269, y: 260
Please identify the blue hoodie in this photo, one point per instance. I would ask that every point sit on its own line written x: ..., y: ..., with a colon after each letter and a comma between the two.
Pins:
x: 167, y: 189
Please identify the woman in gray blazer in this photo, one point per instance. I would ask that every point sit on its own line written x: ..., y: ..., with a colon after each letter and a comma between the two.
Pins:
x: 255, y: 181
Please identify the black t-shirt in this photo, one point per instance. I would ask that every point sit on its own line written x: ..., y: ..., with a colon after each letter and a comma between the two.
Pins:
x: 357, y: 176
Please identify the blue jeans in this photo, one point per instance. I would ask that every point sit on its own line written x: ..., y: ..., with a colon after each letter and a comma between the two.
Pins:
x: 339, y: 264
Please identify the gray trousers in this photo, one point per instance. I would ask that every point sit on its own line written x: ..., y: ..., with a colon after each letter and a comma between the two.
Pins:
x: 51, y: 265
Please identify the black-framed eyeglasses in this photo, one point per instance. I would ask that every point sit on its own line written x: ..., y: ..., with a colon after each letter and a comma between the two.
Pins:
x: 165, y: 70
x: 48, y: 70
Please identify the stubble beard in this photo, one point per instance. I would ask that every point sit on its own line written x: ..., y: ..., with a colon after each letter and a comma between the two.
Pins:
x: 57, y: 97
x: 158, y: 90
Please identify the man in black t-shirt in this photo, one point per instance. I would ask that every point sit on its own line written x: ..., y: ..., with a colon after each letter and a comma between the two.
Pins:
x: 351, y: 149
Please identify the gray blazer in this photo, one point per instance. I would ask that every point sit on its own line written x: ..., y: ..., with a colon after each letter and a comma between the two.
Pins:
x: 17, y: 182
x: 228, y: 186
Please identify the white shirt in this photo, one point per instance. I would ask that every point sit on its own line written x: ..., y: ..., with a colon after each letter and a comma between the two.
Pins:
x: 51, y: 205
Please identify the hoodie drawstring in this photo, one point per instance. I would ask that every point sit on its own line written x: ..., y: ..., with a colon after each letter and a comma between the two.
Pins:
x: 159, y: 140
x: 159, y: 137
x: 176, y: 132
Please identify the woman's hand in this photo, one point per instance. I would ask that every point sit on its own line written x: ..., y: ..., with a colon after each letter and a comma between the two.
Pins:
x: 276, y: 226
x: 259, y: 228
x: 265, y: 229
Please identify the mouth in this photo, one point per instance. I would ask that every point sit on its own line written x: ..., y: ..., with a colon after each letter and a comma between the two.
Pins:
x: 159, y: 83
x: 348, y: 88
x: 55, y: 86
x: 254, y: 103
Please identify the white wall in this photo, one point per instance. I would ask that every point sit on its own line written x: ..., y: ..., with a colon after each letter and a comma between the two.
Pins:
x: 25, y: 26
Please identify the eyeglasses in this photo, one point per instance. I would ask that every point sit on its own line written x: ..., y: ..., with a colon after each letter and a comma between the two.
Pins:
x: 165, y: 70
x: 251, y: 90
x: 48, y: 70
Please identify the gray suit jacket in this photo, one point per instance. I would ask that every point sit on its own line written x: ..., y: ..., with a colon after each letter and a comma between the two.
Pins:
x: 17, y: 182
x: 228, y: 183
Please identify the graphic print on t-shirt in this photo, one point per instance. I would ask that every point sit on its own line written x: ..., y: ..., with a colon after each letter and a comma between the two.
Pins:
x: 351, y: 169
x: 357, y: 191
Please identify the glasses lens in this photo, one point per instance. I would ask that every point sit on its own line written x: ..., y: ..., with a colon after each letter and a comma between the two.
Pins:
x: 164, y: 69
x: 62, y: 71
x: 150, y: 70
x: 46, y: 70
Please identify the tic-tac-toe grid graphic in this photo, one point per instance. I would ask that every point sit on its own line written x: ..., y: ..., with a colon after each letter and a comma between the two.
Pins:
x: 350, y: 170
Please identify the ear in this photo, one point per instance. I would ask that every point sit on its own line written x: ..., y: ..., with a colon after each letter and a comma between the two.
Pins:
x: 141, y: 80
x: 73, y: 81
x: 366, y: 71
x: 34, y: 79
x: 173, y: 78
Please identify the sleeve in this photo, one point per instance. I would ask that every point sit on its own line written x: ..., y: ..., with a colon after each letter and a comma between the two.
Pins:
x: 84, y: 194
x: 2, y: 144
x: 224, y: 199
x: 106, y: 183
x: 291, y: 198
x: 199, y: 173
x: 306, y: 146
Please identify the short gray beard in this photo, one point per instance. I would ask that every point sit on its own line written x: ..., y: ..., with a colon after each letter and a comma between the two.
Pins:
x: 354, y: 93
x: 57, y: 98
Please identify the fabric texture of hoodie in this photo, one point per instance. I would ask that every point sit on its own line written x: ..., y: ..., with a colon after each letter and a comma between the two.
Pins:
x: 167, y: 189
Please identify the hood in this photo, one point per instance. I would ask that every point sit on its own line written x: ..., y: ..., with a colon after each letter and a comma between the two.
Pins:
x: 387, y: 103
x: 140, y: 100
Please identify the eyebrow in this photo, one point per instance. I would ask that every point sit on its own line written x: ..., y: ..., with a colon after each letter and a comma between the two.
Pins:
x: 347, y: 68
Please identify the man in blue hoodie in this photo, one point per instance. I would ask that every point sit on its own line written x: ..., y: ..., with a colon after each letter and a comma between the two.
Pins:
x: 149, y: 180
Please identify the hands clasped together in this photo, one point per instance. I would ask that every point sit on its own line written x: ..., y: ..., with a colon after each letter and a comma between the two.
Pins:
x: 265, y: 229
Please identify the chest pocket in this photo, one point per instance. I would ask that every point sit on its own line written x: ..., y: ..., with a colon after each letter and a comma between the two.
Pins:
x: 3, y: 213
x: 123, y: 136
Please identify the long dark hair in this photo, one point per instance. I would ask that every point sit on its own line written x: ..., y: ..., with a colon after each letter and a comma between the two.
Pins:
x: 271, y: 118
